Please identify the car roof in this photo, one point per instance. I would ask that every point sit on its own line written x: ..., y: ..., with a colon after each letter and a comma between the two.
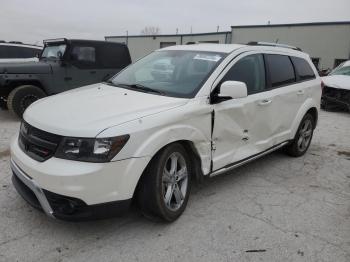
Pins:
x: 229, y: 48
x: 21, y: 45
x: 85, y: 41
x: 346, y: 63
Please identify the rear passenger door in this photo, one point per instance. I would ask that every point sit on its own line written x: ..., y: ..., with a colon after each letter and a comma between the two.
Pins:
x: 83, y: 67
x: 288, y: 90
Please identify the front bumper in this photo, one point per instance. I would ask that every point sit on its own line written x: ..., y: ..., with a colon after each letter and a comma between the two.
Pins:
x: 30, y: 190
x: 62, y: 207
x: 75, y: 190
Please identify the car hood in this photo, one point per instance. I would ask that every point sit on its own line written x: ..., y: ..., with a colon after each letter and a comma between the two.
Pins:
x: 86, y: 111
x: 33, y: 67
x: 337, y: 81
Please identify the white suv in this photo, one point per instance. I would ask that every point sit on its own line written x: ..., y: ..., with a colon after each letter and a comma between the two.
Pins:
x: 146, y: 134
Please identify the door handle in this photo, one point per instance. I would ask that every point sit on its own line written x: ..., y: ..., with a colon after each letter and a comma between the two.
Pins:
x: 300, y: 92
x: 265, y: 102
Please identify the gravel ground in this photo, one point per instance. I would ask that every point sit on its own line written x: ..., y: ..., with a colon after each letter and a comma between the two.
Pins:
x: 274, y: 209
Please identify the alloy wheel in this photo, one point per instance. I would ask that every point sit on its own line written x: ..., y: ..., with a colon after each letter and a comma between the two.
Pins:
x: 305, y: 134
x: 175, y: 181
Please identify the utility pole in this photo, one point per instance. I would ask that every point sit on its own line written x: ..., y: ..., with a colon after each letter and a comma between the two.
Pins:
x: 217, y: 28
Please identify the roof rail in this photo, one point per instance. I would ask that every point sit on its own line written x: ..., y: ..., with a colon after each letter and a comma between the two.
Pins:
x: 275, y: 45
x: 16, y: 42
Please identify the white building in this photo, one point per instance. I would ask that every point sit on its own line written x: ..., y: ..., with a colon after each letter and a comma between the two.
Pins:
x: 327, y: 43
x: 141, y: 45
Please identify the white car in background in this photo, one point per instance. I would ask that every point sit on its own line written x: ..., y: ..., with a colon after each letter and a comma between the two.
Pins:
x: 88, y: 152
x: 18, y: 53
x: 336, y: 91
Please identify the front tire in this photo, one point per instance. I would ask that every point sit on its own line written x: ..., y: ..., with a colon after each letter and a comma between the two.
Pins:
x: 303, y: 137
x: 22, y: 97
x: 165, y: 186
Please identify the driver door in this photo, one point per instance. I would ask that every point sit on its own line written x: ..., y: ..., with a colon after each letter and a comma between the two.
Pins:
x: 242, y: 127
x: 83, y: 68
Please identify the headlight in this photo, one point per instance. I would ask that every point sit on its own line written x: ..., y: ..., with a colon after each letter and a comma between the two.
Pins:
x: 91, y: 149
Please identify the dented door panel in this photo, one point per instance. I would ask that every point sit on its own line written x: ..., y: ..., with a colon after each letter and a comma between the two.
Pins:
x: 242, y: 128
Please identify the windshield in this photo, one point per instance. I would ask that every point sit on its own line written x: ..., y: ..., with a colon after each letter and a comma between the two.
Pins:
x: 345, y: 70
x: 173, y: 72
x: 53, y: 51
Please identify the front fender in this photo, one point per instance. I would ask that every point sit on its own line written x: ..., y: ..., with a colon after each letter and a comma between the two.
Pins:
x: 150, y: 134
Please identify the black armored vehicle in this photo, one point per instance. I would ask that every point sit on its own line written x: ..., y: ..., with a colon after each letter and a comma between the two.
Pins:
x: 63, y: 64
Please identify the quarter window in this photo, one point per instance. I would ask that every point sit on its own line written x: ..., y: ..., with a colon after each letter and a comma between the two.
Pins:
x: 113, y: 55
x: 303, y: 68
x: 250, y: 70
x: 281, y: 70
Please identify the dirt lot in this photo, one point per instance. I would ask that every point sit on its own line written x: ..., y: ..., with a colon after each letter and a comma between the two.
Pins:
x: 275, y: 209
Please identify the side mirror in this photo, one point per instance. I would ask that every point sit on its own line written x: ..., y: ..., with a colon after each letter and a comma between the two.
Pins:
x: 233, y: 89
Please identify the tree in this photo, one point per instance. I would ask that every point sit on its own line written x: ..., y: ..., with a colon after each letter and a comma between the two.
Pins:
x: 150, y: 30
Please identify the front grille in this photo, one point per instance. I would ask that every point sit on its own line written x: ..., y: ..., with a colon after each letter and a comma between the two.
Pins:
x: 37, y: 144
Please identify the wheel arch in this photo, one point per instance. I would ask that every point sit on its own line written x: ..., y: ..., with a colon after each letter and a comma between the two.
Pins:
x: 309, y: 106
x: 313, y: 111
x: 17, y: 83
x: 194, y: 159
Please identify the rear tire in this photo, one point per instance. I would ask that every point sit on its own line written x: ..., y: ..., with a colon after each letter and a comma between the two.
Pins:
x: 303, y: 137
x: 22, y: 97
x: 165, y: 186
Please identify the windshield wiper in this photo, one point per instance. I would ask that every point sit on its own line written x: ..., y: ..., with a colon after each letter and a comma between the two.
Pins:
x: 138, y: 87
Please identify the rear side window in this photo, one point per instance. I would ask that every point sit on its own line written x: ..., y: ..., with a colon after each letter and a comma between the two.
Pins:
x: 303, y: 68
x: 28, y: 52
x: 2, y: 52
x: 113, y: 56
x: 84, y: 54
x: 11, y: 52
x: 281, y: 70
x: 250, y: 70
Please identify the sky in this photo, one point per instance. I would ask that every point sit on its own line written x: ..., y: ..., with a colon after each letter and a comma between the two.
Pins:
x: 32, y: 21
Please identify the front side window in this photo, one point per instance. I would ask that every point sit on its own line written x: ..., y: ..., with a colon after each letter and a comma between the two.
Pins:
x: 250, y: 70
x: 281, y: 70
x: 303, y: 68
x: 176, y: 73
x: 54, y: 51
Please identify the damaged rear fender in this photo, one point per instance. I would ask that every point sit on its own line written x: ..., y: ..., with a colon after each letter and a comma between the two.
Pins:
x: 308, y: 104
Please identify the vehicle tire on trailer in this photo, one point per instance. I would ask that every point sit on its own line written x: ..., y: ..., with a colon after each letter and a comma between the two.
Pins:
x: 164, y: 188
x: 21, y: 97
x: 303, y: 137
